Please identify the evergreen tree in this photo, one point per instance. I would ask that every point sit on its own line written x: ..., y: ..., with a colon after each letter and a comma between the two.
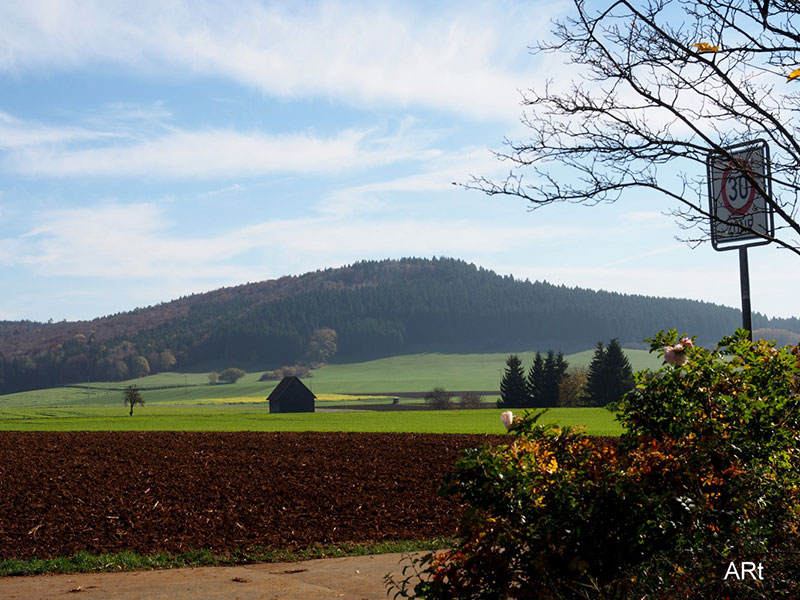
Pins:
x: 561, y: 372
x: 562, y: 365
x: 619, y: 374
x: 551, y: 380
x: 610, y: 374
x: 554, y: 370
x: 595, y: 381
x: 536, y: 382
x: 513, y: 388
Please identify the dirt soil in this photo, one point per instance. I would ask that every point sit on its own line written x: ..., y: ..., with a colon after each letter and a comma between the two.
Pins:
x: 175, y: 491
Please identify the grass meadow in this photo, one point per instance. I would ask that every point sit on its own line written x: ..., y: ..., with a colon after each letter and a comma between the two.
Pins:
x: 421, y: 372
x: 252, y: 417
x: 398, y: 374
x: 185, y: 401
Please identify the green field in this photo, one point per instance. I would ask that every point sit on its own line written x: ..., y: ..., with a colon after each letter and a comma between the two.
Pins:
x: 421, y: 372
x: 256, y: 417
x: 397, y: 374
x: 185, y: 401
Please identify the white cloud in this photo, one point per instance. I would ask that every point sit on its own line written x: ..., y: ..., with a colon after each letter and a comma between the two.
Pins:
x: 228, y: 190
x: 16, y: 133
x: 436, y: 175
x: 136, y: 241
x: 105, y: 241
x: 667, y: 249
x: 469, y: 58
x: 130, y: 248
x: 212, y: 153
x: 9, y: 249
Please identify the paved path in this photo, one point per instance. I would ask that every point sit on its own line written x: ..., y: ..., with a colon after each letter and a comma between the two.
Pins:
x: 352, y: 578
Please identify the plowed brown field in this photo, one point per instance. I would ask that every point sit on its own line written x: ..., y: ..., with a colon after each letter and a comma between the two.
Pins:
x: 61, y: 493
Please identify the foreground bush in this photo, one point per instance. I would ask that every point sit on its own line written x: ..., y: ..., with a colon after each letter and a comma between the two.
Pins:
x: 707, y: 474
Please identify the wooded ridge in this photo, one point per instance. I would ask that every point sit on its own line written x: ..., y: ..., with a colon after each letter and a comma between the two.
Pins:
x: 377, y: 308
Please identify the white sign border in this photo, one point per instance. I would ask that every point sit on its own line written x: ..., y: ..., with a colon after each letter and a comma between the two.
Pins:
x: 751, y: 239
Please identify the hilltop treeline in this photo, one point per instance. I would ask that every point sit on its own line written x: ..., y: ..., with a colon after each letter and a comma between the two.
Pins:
x: 377, y: 308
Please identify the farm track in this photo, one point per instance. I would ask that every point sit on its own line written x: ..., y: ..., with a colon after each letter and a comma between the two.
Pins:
x: 175, y: 491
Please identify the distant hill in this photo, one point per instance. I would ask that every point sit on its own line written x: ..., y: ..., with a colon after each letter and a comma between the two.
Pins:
x: 377, y: 308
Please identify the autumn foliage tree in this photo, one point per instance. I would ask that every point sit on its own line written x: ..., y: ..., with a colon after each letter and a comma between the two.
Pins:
x: 231, y: 375
x: 321, y: 345
x: 572, y: 389
x: 656, y: 86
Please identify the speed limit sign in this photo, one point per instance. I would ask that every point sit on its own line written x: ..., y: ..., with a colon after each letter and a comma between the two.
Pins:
x: 738, y: 188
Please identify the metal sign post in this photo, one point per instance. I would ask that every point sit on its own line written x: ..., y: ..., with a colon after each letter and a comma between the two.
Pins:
x: 744, y: 278
x: 738, y: 188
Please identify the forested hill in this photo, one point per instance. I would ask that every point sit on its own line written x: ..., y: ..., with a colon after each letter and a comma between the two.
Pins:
x: 376, y: 308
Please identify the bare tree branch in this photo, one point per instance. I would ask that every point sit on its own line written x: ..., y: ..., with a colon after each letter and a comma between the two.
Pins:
x: 664, y: 83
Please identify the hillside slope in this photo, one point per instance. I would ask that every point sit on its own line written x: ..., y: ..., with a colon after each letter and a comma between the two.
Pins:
x: 377, y: 308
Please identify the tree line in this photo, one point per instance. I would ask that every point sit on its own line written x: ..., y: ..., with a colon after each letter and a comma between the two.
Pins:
x: 549, y: 382
x: 537, y: 389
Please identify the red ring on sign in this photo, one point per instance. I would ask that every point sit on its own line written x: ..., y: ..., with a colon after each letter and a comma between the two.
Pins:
x: 742, y: 210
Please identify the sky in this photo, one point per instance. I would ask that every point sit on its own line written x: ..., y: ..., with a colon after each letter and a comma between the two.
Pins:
x: 155, y: 149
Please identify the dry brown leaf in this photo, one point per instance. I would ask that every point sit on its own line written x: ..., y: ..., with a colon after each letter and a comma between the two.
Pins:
x: 705, y: 47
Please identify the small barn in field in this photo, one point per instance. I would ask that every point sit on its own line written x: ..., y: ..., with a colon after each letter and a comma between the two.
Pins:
x: 291, y: 396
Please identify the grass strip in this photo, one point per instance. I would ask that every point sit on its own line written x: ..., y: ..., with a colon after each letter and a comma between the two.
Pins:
x: 84, y: 562
x: 244, y: 417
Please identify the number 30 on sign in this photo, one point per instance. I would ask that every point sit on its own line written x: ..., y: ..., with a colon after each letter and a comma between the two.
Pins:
x: 738, y: 188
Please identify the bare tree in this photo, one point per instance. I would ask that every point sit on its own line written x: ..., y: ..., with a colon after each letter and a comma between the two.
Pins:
x: 470, y: 400
x: 662, y: 83
x: 132, y: 396
x: 438, y: 399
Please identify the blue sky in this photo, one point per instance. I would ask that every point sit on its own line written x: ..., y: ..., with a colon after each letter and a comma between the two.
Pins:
x: 150, y: 150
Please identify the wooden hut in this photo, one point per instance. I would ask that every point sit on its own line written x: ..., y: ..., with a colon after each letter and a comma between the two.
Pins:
x: 291, y: 396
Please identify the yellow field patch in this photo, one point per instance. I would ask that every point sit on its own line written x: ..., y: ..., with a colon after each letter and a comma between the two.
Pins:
x: 263, y: 399
x: 236, y: 400
x: 347, y: 397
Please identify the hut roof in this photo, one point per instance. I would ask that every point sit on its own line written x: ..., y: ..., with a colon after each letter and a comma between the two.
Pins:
x: 285, y: 384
